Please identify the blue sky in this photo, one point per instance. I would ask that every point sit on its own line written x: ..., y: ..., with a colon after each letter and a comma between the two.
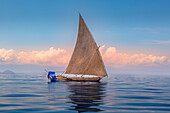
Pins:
x: 132, y: 26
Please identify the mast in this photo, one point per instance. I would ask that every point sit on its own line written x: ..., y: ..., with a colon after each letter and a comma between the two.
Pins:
x: 86, y: 58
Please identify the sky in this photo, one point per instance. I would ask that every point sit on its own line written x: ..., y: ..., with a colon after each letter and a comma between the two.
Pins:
x: 38, y: 34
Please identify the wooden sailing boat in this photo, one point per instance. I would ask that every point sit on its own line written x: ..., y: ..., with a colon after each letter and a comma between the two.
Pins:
x: 86, y: 63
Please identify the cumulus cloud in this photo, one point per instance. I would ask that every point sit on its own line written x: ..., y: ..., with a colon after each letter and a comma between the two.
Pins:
x: 60, y: 57
x: 116, y: 59
x: 56, y: 57
x: 7, y: 55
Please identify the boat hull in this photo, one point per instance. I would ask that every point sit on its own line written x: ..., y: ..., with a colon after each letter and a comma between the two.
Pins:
x: 84, y: 79
x: 71, y: 77
x: 78, y: 79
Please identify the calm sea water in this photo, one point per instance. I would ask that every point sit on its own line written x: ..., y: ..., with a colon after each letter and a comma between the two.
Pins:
x: 118, y: 93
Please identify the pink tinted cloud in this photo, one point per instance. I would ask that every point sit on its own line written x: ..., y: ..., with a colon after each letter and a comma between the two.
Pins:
x: 118, y: 59
x: 56, y: 57
x: 60, y: 57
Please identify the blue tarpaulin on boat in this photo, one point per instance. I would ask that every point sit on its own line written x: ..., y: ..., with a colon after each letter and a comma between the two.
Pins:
x: 52, y: 74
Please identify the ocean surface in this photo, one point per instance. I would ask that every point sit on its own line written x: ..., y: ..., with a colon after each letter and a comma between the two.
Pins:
x: 118, y: 93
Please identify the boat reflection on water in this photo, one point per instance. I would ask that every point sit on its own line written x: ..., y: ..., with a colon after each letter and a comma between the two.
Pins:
x: 80, y: 96
x: 86, y: 96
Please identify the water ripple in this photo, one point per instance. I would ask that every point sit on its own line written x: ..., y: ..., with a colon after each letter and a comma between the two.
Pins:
x: 21, y: 95
x: 118, y: 93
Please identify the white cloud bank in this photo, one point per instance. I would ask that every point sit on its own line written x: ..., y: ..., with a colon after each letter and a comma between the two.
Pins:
x: 119, y: 59
x: 60, y: 57
x: 55, y: 57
